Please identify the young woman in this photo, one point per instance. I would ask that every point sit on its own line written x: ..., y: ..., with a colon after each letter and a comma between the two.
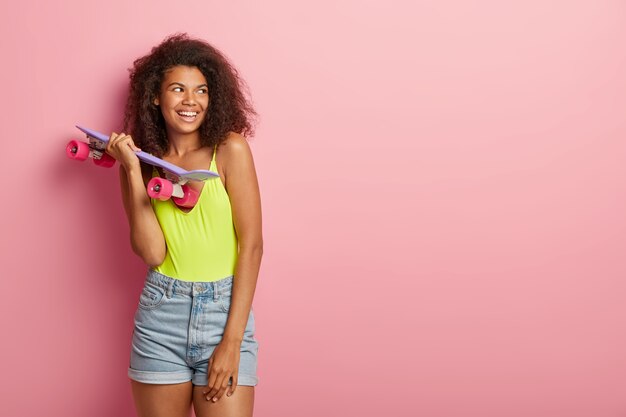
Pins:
x: 193, y: 342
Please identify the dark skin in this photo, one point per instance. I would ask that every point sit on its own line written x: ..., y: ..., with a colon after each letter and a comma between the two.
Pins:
x: 183, y: 100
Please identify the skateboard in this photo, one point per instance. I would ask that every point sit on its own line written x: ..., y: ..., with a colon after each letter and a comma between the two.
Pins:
x: 173, y: 186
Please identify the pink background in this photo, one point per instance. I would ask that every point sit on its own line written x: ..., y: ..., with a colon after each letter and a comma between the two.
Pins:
x: 443, y: 200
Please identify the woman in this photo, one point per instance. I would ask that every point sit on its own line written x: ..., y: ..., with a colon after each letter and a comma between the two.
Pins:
x: 193, y: 341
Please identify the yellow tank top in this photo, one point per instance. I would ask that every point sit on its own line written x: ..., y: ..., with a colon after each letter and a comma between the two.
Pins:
x: 201, y: 244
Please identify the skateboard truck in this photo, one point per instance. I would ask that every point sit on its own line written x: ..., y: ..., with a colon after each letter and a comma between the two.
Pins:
x: 80, y: 151
x: 174, y: 188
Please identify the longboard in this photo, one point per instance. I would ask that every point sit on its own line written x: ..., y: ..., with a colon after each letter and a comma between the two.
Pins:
x: 172, y: 186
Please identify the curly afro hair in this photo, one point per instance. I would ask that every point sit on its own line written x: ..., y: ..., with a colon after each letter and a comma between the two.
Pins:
x: 229, y: 107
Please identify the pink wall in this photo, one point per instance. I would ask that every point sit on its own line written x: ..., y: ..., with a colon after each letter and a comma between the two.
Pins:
x: 443, y: 195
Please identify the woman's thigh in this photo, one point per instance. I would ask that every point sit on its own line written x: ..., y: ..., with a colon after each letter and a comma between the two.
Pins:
x: 240, y: 404
x: 162, y: 400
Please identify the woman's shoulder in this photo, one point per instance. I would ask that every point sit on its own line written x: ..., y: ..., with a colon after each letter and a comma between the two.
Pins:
x: 234, y: 142
x: 234, y: 147
x: 234, y: 151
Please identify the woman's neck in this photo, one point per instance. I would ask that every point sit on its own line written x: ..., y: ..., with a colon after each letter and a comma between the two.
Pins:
x: 183, y: 143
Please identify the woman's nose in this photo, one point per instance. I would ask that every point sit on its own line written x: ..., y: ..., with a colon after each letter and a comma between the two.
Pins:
x: 189, y: 98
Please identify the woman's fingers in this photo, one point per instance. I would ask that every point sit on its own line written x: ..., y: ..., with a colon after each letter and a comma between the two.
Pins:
x: 217, y: 383
x: 223, y: 386
x: 114, y: 140
x: 231, y: 391
x: 213, y: 386
x: 110, y: 143
x: 129, y: 140
x: 121, y: 138
x: 120, y: 146
x: 218, y: 388
x: 211, y: 389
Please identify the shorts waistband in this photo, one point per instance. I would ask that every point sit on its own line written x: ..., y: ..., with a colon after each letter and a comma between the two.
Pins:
x: 176, y: 286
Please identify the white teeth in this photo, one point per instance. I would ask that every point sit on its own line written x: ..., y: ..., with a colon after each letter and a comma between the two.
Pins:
x: 188, y: 113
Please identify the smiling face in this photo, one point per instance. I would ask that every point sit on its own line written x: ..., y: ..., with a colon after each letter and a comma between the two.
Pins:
x: 184, y: 99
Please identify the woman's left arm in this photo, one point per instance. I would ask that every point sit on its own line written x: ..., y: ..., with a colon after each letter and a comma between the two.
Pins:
x: 245, y: 200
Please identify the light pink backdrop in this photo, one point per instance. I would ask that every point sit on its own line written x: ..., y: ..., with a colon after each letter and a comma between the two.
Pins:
x: 444, y: 203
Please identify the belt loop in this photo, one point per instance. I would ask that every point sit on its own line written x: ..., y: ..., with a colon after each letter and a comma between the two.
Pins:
x: 216, y: 294
x: 170, y: 288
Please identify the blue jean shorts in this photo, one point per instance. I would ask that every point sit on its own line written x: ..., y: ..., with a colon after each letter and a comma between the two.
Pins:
x: 178, y: 324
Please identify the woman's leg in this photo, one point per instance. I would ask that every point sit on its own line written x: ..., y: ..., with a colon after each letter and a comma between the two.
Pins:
x: 240, y: 404
x: 162, y: 400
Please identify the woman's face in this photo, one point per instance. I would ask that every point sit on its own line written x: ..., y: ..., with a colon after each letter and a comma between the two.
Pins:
x: 184, y: 99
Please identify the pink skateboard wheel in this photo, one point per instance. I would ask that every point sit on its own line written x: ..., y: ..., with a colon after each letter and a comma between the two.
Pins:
x: 189, y: 199
x: 106, y: 161
x: 77, y: 150
x: 160, y: 188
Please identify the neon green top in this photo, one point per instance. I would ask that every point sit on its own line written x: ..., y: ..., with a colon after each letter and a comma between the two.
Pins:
x: 201, y: 244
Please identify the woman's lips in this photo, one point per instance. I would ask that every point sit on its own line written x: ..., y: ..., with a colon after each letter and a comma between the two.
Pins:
x: 188, y: 116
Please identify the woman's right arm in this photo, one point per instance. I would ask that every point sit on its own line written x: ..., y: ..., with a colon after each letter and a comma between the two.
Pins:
x: 146, y: 236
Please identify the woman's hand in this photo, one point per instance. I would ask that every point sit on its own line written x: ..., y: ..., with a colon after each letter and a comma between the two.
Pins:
x: 223, y: 364
x: 122, y: 148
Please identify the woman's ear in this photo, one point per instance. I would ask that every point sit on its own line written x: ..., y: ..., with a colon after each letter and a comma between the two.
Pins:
x: 156, y: 101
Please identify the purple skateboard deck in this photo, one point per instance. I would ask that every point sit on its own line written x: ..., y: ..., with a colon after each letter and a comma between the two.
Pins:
x: 175, y: 172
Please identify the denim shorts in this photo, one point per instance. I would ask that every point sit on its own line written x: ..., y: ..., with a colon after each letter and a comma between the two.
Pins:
x: 178, y: 324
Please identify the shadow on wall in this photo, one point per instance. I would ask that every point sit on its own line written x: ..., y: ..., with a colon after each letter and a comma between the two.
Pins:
x: 104, y: 279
